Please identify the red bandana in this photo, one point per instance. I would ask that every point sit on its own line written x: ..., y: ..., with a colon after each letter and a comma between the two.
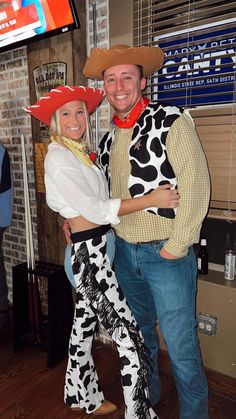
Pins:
x: 132, y: 117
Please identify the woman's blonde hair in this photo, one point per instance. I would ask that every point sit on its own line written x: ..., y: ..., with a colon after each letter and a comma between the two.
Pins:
x: 55, y: 128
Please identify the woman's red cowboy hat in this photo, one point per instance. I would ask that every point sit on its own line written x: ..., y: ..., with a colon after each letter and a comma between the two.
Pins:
x: 50, y: 102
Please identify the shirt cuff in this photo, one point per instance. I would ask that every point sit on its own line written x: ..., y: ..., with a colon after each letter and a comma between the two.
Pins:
x: 176, y: 249
x: 111, y: 209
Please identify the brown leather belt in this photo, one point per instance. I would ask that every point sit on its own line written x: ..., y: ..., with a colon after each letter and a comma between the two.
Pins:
x: 152, y: 242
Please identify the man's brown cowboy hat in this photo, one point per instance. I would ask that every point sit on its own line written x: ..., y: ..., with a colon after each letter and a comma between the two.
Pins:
x: 150, y: 58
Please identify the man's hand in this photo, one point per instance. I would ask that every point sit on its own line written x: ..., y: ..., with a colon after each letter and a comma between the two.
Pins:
x: 67, y: 232
x: 166, y: 255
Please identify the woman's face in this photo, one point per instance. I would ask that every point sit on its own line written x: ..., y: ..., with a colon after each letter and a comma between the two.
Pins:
x: 72, y: 120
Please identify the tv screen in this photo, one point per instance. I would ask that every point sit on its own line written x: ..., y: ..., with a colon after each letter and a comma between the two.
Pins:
x: 24, y: 21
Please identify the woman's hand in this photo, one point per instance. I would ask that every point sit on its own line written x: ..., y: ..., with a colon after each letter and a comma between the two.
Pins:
x: 67, y: 232
x: 164, y: 197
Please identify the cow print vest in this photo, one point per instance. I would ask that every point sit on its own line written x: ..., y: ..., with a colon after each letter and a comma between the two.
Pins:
x: 150, y: 166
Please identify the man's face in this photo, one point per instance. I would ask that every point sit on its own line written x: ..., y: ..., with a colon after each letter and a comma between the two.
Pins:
x: 123, y: 87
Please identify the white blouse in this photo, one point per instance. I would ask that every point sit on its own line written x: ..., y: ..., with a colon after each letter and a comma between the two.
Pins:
x: 74, y: 189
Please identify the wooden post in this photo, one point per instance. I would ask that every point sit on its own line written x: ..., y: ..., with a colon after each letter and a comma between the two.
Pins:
x: 69, y: 48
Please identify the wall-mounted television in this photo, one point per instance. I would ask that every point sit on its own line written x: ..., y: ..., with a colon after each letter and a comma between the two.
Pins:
x: 25, y: 21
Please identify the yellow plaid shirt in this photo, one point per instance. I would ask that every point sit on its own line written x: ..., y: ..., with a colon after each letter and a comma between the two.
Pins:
x: 189, y: 163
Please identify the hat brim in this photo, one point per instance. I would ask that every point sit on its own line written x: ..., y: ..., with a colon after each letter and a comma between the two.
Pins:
x: 150, y: 58
x: 50, y: 102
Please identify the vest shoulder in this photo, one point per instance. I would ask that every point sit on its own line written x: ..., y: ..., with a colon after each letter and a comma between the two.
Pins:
x: 155, y: 105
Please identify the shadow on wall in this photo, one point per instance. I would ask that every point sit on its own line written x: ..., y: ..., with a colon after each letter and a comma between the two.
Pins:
x: 220, y: 235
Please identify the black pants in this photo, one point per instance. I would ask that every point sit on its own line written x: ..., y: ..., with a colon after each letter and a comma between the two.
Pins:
x: 3, y: 283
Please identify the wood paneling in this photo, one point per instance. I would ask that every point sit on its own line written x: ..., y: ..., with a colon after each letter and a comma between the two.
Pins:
x: 30, y: 390
x: 217, y: 144
x: 217, y: 131
x: 217, y: 297
x: 69, y: 48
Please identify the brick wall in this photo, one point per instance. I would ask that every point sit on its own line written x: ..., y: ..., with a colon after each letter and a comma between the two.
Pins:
x: 14, y: 94
x: 102, y: 41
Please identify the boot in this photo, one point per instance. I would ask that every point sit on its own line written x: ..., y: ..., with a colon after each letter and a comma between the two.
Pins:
x: 105, y: 409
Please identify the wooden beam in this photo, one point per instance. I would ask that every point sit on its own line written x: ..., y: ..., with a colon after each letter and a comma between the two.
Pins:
x: 69, y: 48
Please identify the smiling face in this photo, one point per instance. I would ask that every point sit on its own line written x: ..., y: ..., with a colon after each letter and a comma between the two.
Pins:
x: 123, y: 87
x: 72, y: 120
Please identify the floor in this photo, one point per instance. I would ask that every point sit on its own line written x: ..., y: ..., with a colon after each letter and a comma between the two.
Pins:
x: 28, y: 389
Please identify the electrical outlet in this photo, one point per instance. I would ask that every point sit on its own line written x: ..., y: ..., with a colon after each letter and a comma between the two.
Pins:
x: 207, y: 324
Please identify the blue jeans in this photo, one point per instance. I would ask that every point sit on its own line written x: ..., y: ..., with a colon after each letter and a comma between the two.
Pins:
x: 67, y: 260
x: 157, y: 288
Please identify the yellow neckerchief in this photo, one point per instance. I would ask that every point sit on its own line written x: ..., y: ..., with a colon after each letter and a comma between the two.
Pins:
x: 80, y: 150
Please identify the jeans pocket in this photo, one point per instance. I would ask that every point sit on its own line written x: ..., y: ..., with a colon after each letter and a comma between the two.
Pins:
x: 158, y: 245
x: 68, y: 266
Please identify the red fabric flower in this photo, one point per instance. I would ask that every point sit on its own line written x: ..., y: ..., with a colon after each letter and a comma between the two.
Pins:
x: 93, y: 156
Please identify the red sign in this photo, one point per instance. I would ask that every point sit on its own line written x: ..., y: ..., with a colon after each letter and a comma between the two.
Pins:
x: 23, y: 19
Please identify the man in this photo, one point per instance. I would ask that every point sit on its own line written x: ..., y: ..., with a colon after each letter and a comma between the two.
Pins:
x: 5, y: 221
x: 150, y: 144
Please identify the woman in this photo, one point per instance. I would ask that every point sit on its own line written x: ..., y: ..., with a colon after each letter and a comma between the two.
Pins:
x: 76, y: 188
